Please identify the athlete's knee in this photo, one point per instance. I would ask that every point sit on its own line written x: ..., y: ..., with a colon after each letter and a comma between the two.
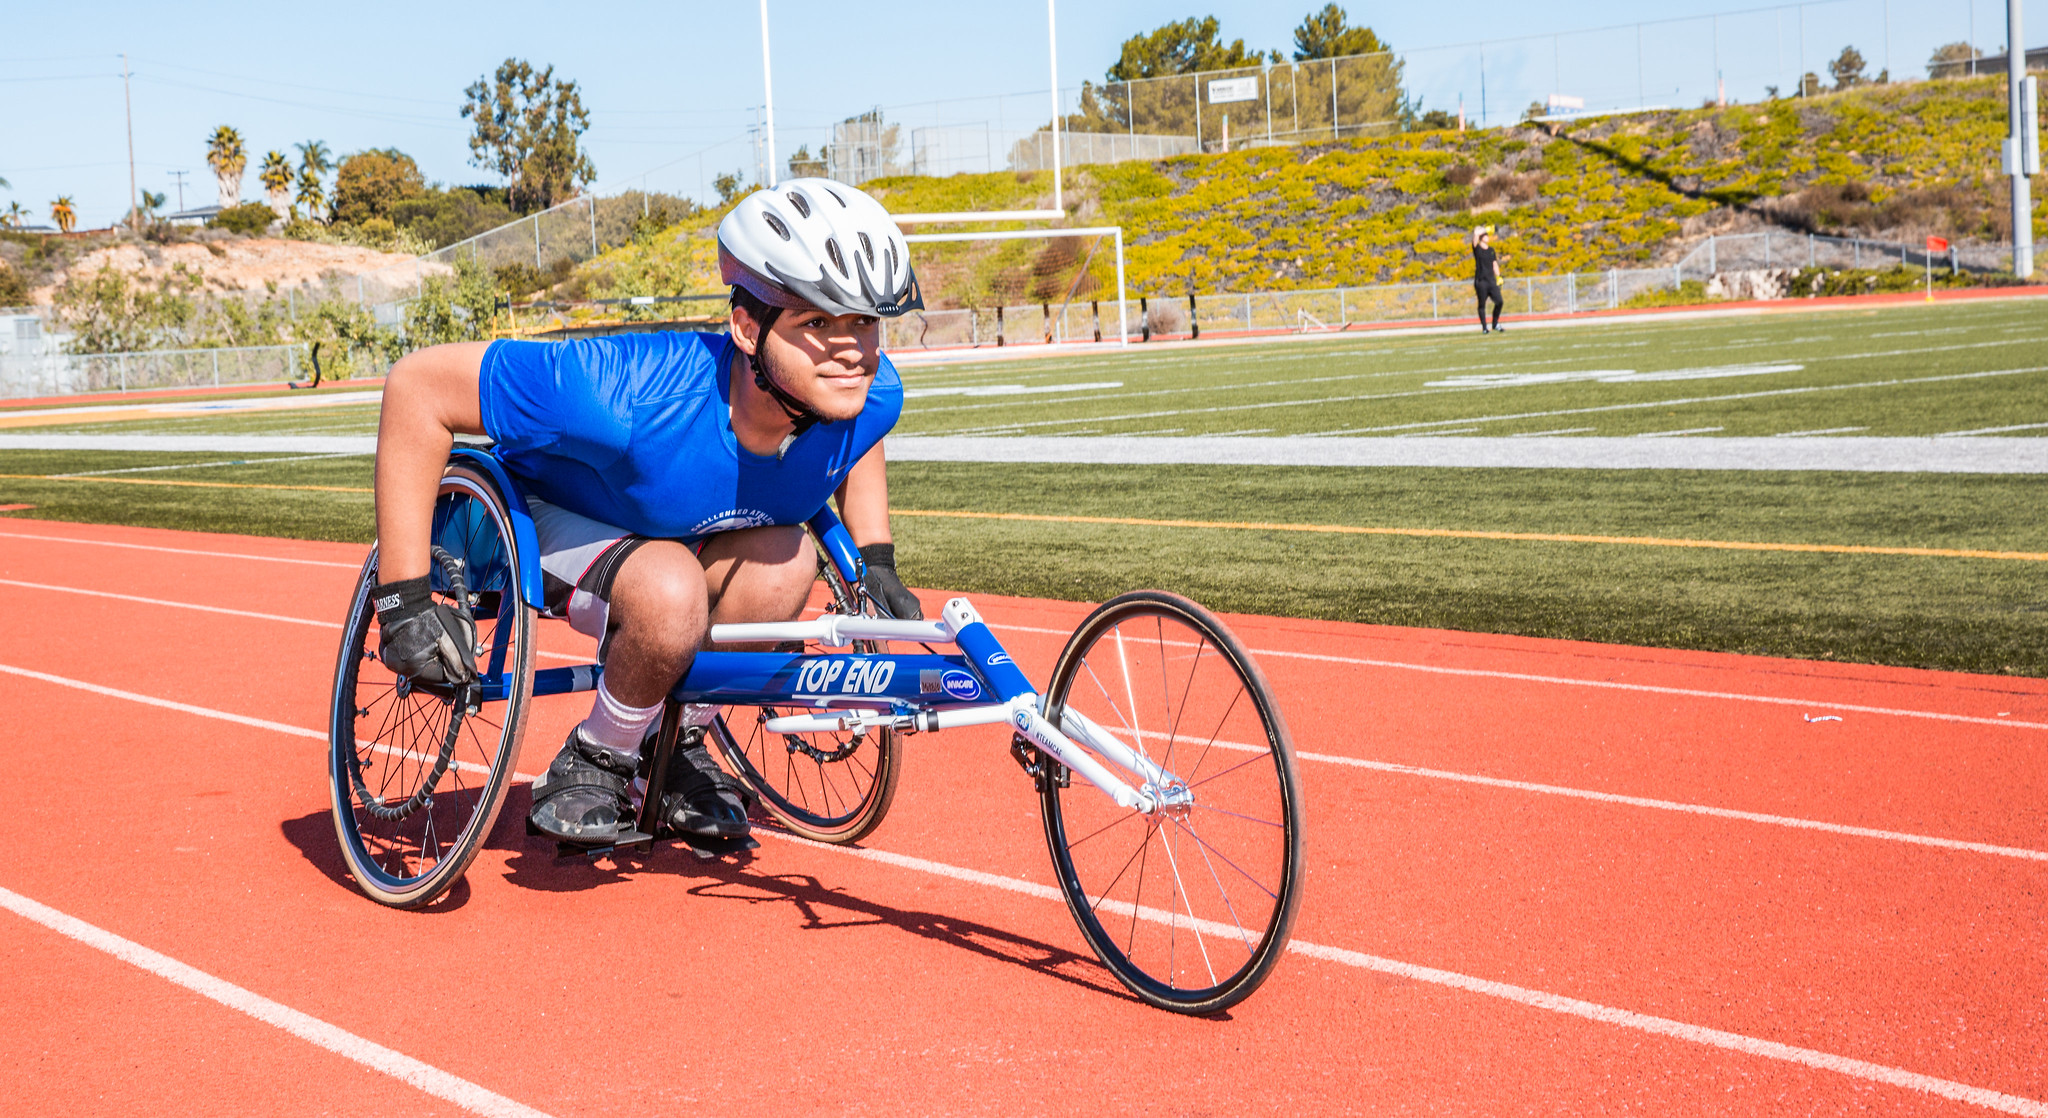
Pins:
x: 660, y: 593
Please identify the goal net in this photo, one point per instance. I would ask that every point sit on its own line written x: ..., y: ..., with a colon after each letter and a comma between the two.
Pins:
x: 1016, y: 287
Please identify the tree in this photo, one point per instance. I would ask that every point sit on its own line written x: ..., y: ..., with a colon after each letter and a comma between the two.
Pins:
x: 276, y: 178
x: 1809, y: 84
x: 1325, y: 34
x: 1847, y: 69
x: 1186, y: 47
x: 369, y: 183
x: 64, y: 213
x: 527, y: 129
x: 1435, y: 120
x: 1952, y: 60
x: 730, y: 187
x: 225, y: 155
x: 314, y: 161
x: 14, y: 216
x: 805, y: 165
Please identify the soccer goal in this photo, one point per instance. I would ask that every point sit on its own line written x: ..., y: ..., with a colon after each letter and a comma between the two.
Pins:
x: 1017, y: 287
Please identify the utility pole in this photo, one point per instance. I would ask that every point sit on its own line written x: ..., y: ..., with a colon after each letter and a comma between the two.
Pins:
x: 180, y: 176
x: 128, y: 103
x: 1052, y: 43
x: 768, y: 86
x: 2023, y: 147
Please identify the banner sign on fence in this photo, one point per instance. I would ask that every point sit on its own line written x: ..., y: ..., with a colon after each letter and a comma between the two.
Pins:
x: 1222, y: 91
x: 1937, y: 244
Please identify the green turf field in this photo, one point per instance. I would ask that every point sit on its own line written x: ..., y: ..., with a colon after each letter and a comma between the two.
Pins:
x: 1866, y: 370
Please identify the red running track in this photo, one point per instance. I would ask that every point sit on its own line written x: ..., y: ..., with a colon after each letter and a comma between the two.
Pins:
x: 1545, y: 876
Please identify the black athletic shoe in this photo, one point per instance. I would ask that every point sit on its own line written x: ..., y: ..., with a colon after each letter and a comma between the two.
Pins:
x: 582, y: 797
x: 699, y: 798
x: 1497, y: 328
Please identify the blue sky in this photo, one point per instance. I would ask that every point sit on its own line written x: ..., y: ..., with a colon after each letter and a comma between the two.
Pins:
x: 674, y: 88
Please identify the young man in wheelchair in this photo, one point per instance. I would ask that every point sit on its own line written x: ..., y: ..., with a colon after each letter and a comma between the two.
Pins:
x: 669, y: 476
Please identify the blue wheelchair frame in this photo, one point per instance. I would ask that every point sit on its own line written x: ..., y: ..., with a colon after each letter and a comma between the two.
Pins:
x: 902, y: 685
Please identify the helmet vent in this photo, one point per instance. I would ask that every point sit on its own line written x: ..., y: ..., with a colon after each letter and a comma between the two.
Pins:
x: 836, y: 197
x: 802, y: 204
x: 838, y: 261
x: 776, y: 224
x: 892, y: 259
x: 867, y: 248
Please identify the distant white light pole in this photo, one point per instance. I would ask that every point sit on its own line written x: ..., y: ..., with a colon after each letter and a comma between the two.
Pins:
x: 1052, y: 42
x: 768, y: 89
x: 2023, y: 146
x: 128, y: 106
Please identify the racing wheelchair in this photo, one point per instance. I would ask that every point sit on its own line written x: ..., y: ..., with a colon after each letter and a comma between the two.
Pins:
x: 1164, y: 770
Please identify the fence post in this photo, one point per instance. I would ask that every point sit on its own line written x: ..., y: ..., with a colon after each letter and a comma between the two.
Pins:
x: 1194, y: 324
x: 1435, y: 311
x: 1529, y: 286
x: 1247, y: 311
x: 1713, y: 262
x: 1343, y: 312
x: 1613, y: 288
x: 1767, y: 248
x: 593, y: 223
x: 1676, y: 283
x: 123, y: 364
x: 999, y: 325
x: 536, y: 241
x: 1571, y: 293
x: 216, y: 368
x: 1809, y: 250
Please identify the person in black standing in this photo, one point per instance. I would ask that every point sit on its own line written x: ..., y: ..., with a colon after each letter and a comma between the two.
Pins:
x: 1486, y: 276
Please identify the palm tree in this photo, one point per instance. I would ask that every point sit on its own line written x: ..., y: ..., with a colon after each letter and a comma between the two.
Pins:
x: 314, y: 157
x: 314, y: 161
x: 63, y: 213
x: 225, y: 155
x: 311, y: 196
x: 14, y: 215
x: 277, y: 183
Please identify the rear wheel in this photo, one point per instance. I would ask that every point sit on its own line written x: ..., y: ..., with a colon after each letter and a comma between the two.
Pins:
x: 1189, y: 905
x: 832, y: 788
x: 417, y: 773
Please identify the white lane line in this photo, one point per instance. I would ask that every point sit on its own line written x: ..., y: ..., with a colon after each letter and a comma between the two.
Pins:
x: 233, y: 612
x: 166, y: 704
x: 1675, y: 434
x: 1991, y: 430
x: 1668, y: 805
x: 1818, y: 431
x: 333, y: 1038
x: 1536, y: 999
x: 204, y: 465
x: 182, y: 550
x: 1568, y: 681
x: 176, y: 605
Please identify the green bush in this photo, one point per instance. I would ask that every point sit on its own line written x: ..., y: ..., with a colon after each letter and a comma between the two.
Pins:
x: 13, y: 289
x: 1684, y: 295
x: 248, y: 219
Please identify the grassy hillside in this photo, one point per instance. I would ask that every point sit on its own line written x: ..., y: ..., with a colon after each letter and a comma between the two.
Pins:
x: 1897, y: 161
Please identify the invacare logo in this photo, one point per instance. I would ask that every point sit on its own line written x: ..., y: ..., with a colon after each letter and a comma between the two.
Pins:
x: 732, y: 520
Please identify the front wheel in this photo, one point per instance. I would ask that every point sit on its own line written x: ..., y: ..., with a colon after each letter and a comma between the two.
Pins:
x: 1189, y: 905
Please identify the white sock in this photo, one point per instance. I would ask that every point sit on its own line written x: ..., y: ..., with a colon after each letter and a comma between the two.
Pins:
x: 615, y: 725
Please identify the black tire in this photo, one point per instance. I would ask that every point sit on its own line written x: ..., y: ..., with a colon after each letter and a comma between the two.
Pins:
x: 826, y: 787
x: 416, y: 777
x: 1190, y: 908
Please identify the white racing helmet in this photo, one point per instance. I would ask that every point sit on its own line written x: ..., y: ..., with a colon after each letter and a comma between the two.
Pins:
x: 818, y: 243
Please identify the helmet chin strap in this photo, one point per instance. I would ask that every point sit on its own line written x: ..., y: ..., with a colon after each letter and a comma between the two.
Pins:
x: 798, y: 412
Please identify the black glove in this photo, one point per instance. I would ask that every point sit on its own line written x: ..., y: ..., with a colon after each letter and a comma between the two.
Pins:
x: 423, y: 639
x: 884, y: 587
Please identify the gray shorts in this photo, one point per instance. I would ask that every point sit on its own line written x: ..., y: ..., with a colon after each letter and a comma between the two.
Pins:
x: 579, y: 558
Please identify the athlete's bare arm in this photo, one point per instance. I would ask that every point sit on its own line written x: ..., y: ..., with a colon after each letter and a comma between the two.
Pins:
x: 864, y: 499
x: 429, y: 398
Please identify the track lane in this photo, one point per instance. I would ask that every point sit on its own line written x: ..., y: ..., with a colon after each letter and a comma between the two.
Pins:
x: 932, y: 995
x: 1028, y: 828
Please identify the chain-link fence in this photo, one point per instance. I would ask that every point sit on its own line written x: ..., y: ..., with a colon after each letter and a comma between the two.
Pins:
x: 46, y: 370
x: 1726, y: 264
x: 524, y: 256
x: 1778, y: 249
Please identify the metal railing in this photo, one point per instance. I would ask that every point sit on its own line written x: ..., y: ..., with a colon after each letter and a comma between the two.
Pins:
x: 46, y: 370
x: 1326, y: 309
